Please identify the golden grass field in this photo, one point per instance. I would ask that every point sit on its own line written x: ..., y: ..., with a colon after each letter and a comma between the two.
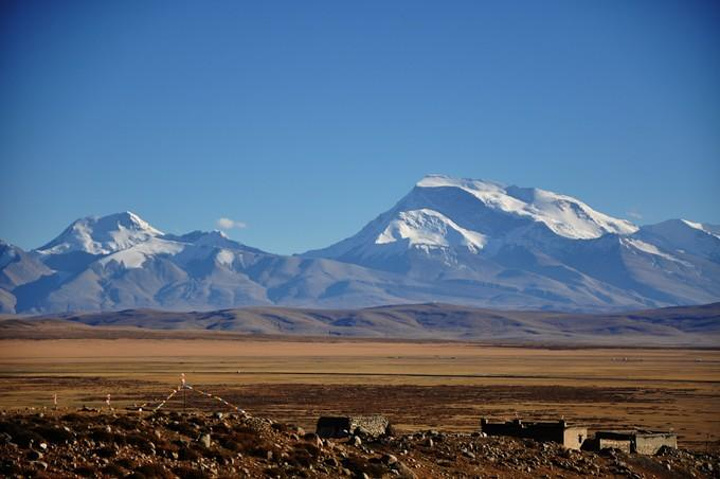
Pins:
x: 417, y: 384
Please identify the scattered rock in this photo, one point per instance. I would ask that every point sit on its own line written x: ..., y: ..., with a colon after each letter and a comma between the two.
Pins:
x: 34, y: 455
x: 389, y: 459
x: 236, y: 445
x: 205, y: 440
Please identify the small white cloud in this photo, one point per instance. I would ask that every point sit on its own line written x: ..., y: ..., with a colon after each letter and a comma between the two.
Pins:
x: 634, y: 215
x: 228, y: 224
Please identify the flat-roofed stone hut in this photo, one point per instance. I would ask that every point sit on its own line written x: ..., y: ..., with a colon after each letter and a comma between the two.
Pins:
x: 570, y: 436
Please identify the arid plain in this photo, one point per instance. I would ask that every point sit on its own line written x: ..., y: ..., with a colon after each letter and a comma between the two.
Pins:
x: 418, y: 385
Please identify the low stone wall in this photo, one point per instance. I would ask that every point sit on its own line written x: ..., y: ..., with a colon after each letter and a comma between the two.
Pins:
x: 343, y: 426
x: 637, y: 441
x: 621, y: 444
x: 651, y: 443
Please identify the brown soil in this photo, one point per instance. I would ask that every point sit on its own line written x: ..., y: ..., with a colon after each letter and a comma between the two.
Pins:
x: 446, y: 386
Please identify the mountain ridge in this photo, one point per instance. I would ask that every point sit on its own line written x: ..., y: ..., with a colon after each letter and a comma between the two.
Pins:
x: 453, y: 240
x: 695, y: 326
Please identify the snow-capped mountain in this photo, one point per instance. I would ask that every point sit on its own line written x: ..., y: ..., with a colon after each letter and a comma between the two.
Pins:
x: 449, y: 240
x: 444, y: 213
x: 120, y: 261
x: 101, y: 235
x: 535, y: 243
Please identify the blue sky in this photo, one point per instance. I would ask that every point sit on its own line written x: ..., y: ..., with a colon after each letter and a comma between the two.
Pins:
x: 304, y: 120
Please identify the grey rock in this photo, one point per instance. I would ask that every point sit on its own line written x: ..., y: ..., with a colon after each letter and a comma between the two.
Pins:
x: 404, y: 471
x: 389, y: 459
x: 205, y: 440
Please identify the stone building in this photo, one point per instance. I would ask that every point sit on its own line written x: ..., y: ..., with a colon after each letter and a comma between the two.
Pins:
x: 637, y: 441
x: 570, y: 436
x: 344, y: 426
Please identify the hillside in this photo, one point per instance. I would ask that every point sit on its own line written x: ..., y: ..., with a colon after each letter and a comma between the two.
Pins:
x: 697, y: 326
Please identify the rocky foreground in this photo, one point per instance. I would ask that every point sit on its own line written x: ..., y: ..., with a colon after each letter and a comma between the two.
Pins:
x: 196, y: 445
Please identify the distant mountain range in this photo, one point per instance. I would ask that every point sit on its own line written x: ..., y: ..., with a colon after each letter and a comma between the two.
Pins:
x: 683, y: 326
x: 449, y: 240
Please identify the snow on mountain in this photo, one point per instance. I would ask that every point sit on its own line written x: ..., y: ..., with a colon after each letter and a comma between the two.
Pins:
x: 136, y: 255
x: 708, y: 229
x: 129, y: 241
x: 649, y: 249
x: 101, y: 235
x: 530, y: 241
x: 426, y: 228
x: 452, y: 213
x: 451, y: 240
x: 683, y: 237
x: 8, y: 253
x: 564, y: 215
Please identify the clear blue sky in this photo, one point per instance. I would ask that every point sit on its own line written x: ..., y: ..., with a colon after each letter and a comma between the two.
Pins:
x: 305, y: 120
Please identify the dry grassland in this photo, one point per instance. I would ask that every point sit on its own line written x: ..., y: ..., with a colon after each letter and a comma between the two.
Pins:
x: 418, y: 385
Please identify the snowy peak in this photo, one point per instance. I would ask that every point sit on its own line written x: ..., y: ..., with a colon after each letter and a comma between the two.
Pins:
x: 469, y: 214
x: 474, y: 186
x: 568, y: 216
x: 101, y: 235
x: 707, y: 229
x: 684, y: 236
x: 564, y: 215
x: 426, y: 228
x: 679, y: 230
x: 451, y: 240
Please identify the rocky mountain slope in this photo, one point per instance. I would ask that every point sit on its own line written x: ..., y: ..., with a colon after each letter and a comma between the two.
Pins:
x: 451, y: 240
